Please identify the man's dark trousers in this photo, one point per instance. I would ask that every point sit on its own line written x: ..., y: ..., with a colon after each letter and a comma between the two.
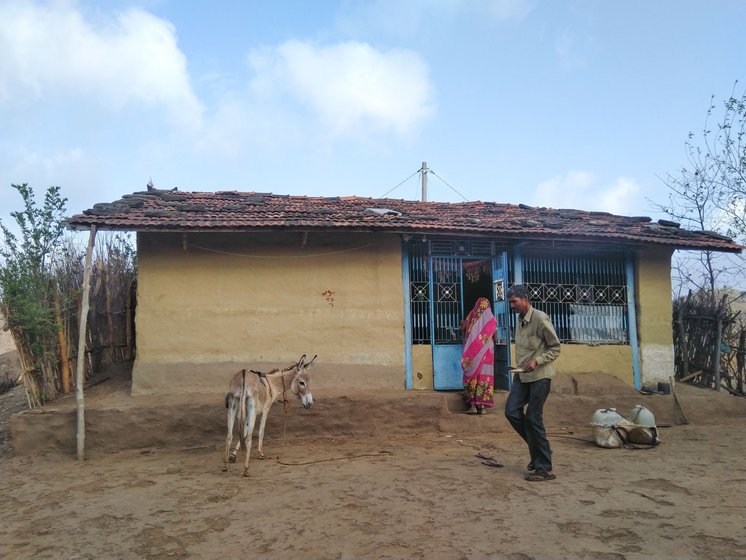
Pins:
x: 530, y: 425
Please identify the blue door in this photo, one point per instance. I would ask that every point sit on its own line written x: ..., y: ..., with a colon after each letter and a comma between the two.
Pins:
x: 455, y: 284
x: 447, y: 310
x: 503, y: 378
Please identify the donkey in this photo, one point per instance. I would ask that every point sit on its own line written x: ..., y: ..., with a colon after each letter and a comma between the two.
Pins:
x: 252, y: 393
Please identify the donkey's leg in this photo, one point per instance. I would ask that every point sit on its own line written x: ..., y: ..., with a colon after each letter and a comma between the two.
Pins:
x: 248, y: 430
x: 262, y: 423
x: 232, y: 410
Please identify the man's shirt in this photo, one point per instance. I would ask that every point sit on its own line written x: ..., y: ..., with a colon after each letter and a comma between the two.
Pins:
x: 535, y: 338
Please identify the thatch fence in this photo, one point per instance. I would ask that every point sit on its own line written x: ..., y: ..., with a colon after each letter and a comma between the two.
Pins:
x: 709, y: 343
x: 49, y: 356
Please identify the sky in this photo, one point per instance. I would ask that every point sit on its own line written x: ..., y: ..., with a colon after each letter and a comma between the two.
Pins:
x: 565, y: 104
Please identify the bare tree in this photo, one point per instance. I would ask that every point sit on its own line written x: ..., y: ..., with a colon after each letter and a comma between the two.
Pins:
x: 710, y: 194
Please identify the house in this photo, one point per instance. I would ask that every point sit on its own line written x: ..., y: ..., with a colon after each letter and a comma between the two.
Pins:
x: 377, y: 287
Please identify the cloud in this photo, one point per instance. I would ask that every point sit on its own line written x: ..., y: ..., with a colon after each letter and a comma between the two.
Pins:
x: 581, y: 190
x: 349, y: 88
x: 53, y: 49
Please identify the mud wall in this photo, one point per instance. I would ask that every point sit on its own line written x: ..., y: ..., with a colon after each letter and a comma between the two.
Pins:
x: 611, y: 359
x: 211, y: 304
x: 654, y: 315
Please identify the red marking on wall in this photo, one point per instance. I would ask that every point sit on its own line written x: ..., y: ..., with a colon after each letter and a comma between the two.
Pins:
x: 328, y: 296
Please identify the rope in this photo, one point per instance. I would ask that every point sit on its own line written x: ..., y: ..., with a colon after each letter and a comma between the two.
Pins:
x: 285, y: 415
x: 379, y: 454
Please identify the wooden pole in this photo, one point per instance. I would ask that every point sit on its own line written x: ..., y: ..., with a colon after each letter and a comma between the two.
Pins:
x: 128, y: 322
x: 64, y: 361
x: 684, y: 305
x: 109, y: 315
x: 81, y: 345
x: 718, y: 341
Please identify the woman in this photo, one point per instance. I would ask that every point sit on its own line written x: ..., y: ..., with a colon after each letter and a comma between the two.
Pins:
x: 478, y: 356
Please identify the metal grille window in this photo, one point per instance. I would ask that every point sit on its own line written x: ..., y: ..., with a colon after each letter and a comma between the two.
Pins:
x: 585, y: 296
x: 419, y: 292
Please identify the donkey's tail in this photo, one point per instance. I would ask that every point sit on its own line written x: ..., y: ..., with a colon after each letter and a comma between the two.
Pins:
x: 242, y: 402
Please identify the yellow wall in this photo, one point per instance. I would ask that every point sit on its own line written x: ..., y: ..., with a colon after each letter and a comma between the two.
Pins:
x: 422, y: 366
x: 654, y: 315
x: 210, y: 304
x: 613, y: 359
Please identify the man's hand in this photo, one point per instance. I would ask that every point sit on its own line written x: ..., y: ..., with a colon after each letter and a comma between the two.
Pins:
x: 529, y: 366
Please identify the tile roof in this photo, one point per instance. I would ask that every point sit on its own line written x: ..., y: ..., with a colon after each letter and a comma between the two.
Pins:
x: 160, y: 210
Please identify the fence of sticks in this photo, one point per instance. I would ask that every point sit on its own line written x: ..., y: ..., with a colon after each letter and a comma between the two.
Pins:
x: 709, y: 343
x: 49, y: 358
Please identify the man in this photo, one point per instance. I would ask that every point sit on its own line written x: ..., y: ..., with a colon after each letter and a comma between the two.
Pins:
x: 536, y: 348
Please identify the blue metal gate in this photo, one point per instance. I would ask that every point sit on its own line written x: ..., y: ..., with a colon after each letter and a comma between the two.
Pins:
x: 447, y: 310
x: 503, y: 379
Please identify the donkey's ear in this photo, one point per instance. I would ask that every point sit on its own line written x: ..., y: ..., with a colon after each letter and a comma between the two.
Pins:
x: 300, y: 362
x: 309, y: 364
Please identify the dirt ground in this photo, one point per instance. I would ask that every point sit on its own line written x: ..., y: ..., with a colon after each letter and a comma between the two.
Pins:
x: 414, y: 494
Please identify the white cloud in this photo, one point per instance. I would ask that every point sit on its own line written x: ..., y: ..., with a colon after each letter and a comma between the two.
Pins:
x: 53, y: 49
x: 581, y: 190
x: 350, y: 88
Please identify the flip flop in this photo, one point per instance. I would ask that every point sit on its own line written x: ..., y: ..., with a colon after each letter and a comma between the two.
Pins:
x: 492, y: 463
x: 484, y: 455
x: 540, y: 476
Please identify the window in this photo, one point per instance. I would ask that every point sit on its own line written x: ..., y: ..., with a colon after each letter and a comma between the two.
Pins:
x: 584, y: 295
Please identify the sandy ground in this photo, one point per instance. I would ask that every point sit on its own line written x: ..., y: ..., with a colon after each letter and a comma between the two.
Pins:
x: 406, y: 496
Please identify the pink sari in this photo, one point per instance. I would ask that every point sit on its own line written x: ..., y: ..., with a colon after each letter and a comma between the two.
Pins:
x: 478, y: 356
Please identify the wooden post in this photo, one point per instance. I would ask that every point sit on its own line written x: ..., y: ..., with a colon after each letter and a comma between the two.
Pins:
x: 81, y: 345
x: 109, y: 315
x: 718, y: 341
x: 719, y: 313
x: 684, y: 306
x: 64, y: 361
x: 128, y: 323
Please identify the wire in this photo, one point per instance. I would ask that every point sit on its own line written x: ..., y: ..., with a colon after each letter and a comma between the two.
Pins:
x: 282, y: 257
x: 449, y: 186
x: 400, y: 184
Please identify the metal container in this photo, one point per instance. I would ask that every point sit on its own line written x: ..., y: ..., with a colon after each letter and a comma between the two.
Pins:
x: 605, y: 417
x: 642, y: 416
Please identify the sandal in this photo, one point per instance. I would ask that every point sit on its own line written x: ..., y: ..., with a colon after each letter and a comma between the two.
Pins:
x: 540, y: 476
x: 484, y: 455
x: 530, y: 467
x: 492, y: 463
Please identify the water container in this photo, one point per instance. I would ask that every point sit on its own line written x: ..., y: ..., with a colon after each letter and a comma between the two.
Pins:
x: 605, y: 417
x: 642, y: 417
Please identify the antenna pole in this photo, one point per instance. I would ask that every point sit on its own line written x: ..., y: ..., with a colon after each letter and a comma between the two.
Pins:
x: 423, y: 171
